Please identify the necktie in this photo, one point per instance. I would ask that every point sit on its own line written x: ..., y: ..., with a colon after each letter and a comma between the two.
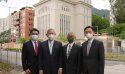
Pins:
x: 50, y: 46
x: 68, y: 51
x: 88, y: 47
x: 36, y: 47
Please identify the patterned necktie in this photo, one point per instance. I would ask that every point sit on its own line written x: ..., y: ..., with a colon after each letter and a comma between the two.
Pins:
x: 88, y: 47
x: 68, y: 51
x: 36, y: 47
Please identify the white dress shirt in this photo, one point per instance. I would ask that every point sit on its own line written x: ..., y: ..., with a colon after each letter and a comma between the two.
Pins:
x: 89, y: 45
x: 50, y: 43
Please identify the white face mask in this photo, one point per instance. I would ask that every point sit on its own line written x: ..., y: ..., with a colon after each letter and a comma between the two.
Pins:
x: 89, y: 36
x: 51, y: 37
x: 34, y: 37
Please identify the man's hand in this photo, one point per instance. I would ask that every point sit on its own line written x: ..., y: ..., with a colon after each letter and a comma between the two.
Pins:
x: 60, y: 71
x: 40, y: 71
x: 28, y: 71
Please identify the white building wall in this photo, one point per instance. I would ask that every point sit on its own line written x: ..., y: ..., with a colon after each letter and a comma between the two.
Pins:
x: 78, y: 14
x: 4, y: 24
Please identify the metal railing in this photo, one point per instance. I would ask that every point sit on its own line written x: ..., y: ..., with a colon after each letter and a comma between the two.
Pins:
x: 10, y: 57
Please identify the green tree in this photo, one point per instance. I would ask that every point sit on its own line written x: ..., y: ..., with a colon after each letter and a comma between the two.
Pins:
x: 22, y: 40
x: 117, y: 7
x: 5, y: 36
x: 117, y: 30
x: 122, y: 35
x: 99, y: 21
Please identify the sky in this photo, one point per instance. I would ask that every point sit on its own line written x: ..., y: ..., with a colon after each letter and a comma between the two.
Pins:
x: 17, y: 4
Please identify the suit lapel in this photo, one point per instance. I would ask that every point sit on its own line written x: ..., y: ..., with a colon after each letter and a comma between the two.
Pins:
x: 32, y: 47
x: 65, y: 52
x: 38, y: 46
x: 73, y: 47
x: 91, y: 47
x: 53, y: 49
x: 47, y: 47
x: 85, y: 47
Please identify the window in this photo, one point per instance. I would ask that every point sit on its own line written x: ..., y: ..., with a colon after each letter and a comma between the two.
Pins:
x: 43, y: 24
x: 66, y: 9
x: 64, y: 24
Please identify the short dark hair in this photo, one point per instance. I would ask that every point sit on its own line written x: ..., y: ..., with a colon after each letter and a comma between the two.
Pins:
x: 88, y: 27
x: 34, y: 29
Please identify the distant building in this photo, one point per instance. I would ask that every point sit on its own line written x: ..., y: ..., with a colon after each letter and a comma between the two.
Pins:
x: 15, y: 24
x: 22, y: 22
x: 63, y: 15
x: 26, y: 21
x: 4, y: 24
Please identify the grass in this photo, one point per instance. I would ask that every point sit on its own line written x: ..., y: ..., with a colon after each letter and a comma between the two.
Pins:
x: 5, y: 67
x: 115, y: 56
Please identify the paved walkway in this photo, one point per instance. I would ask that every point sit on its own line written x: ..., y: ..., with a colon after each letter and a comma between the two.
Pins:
x: 115, y: 67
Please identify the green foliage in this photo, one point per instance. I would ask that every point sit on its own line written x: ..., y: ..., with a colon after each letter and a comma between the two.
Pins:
x: 22, y: 40
x: 101, y: 22
x: 13, y: 49
x: 118, y: 9
x: 5, y: 36
x: 62, y: 37
x: 104, y: 31
x: 116, y: 30
x: 122, y: 35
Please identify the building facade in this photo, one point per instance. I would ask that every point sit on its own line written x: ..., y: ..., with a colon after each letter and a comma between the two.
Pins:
x: 22, y: 22
x: 15, y: 24
x: 26, y: 21
x: 4, y: 24
x: 63, y: 15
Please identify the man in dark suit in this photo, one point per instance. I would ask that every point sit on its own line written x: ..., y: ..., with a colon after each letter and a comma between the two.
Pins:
x: 92, y: 54
x: 30, y: 53
x: 50, y: 58
x: 72, y: 56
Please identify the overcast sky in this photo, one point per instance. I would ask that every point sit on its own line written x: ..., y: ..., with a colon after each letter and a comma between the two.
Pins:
x: 17, y: 4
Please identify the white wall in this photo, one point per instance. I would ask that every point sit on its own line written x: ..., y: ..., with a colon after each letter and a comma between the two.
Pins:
x: 80, y: 16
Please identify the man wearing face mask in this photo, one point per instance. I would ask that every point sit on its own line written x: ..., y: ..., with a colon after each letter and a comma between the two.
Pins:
x: 92, y: 54
x: 71, y: 56
x: 30, y: 53
x: 50, y: 57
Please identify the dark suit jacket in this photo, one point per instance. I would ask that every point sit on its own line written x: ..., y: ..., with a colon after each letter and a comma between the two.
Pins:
x: 94, y: 62
x: 29, y: 57
x: 71, y: 65
x: 50, y: 63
